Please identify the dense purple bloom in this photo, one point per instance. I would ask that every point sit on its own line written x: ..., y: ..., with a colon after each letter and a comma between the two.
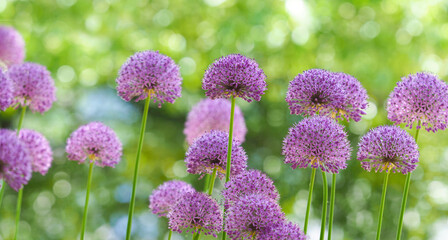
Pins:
x: 234, y: 75
x: 15, y: 161
x: 284, y: 231
x: 12, y: 50
x: 355, y: 97
x: 388, y: 148
x: 39, y: 150
x: 251, y: 216
x: 95, y: 141
x: 210, y: 151
x: 247, y: 183
x: 32, y: 83
x: 420, y: 97
x: 149, y: 72
x: 166, y: 196
x: 5, y: 91
x: 319, y: 142
x: 196, y: 212
x: 211, y: 114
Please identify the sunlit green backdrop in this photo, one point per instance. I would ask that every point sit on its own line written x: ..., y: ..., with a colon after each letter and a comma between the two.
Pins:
x: 83, y: 43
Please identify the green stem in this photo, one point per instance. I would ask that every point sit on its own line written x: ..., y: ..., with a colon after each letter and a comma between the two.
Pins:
x: 383, y: 199
x: 2, y: 192
x: 19, y: 205
x: 223, y: 235
x: 332, y: 200
x: 324, y: 205
x: 170, y: 234
x: 207, y: 183
x: 405, y: 193
x: 137, y: 160
x: 22, y: 116
x: 86, y: 204
x: 212, y: 182
x: 196, y: 236
x: 229, y: 147
x: 310, y: 195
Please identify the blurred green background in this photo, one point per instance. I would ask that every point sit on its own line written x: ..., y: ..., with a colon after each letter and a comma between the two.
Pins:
x: 84, y: 43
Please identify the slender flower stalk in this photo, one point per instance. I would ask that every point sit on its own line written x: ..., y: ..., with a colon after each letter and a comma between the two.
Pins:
x: 170, y: 234
x: 84, y: 217
x: 137, y: 160
x: 405, y: 193
x: 332, y: 200
x: 310, y: 195
x: 324, y: 205
x: 383, y: 200
x: 212, y: 182
x: 2, y: 191
x: 19, y: 198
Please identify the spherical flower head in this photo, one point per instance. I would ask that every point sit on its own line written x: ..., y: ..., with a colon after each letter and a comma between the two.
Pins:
x: 210, y: 151
x: 13, y: 47
x: 247, y: 183
x: 5, y: 91
x: 284, y: 231
x: 15, y: 161
x: 149, y: 74
x: 315, y: 91
x: 39, y: 150
x: 32, y: 86
x: 94, y: 141
x: 317, y: 142
x: 419, y: 98
x: 234, y: 75
x: 210, y: 115
x: 166, y: 196
x: 355, y: 97
x: 196, y: 212
x: 388, y: 148
x: 252, y: 216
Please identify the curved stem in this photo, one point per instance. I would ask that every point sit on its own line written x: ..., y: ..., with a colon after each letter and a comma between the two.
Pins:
x: 332, y: 200
x: 212, y: 182
x: 86, y: 204
x: 2, y: 191
x: 229, y: 147
x: 18, y: 208
x: 383, y: 199
x: 137, y: 160
x: 324, y: 205
x: 406, y: 192
x: 310, y: 195
x: 170, y: 234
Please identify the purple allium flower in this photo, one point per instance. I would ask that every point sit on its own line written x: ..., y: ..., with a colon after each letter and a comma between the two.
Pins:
x: 32, y: 83
x: 196, y: 212
x: 211, y: 114
x: 5, y: 91
x: 209, y: 151
x: 388, y: 148
x: 152, y: 73
x: 319, y: 142
x: 420, y: 97
x: 166, y: 196
x: 315, y: 91
x: 15, y: 161
x: 251, y: 216
x: 95, y: 141
x: 39, y: 150
x: 247, y: 183
x: 234, y: 75
x: 284, y: 231
x: 12, y: 50
x: 355, y: 97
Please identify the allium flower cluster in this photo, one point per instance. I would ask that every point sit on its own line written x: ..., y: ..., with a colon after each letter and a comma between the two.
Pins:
x: 95, y: 141
x: 32, y: 86
x: 166, y: 196
x: 284, y: 231
x: 5, y: 91
x: 210, y: 115
x: 210, y: 151
x: 12, y: 50
x: 149, y: 73
x: 247, y: 183
x: 15, y: 161
x: 355, y: 97
x: 252, y: 216
x: 419, y: 98
x: 234, y: 75
x: 196, y: 212
x: 39, y: 150
x: 388, y: 148
x: 318, y: 142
